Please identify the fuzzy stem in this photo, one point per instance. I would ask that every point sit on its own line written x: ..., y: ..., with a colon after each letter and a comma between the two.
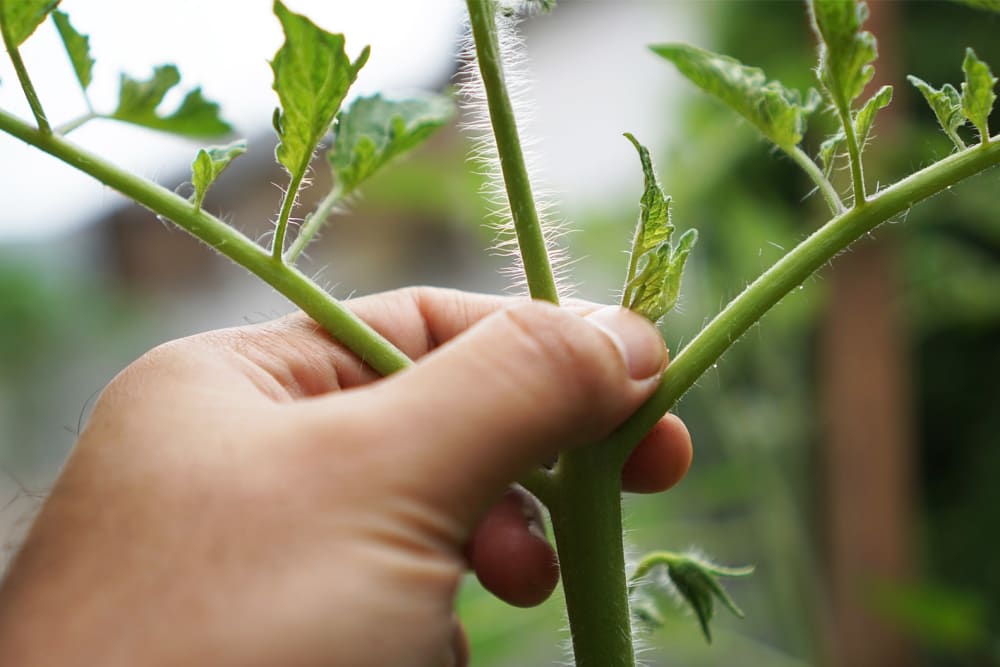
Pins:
x: 854, y: 153
x: 785, y: 275
x: 26, y: 85
x: 287, y: 204
x: 313, y: 223
x: 342, y: 324
x: 821, y: 181
x: 587, y: 522
x: 537, y: 269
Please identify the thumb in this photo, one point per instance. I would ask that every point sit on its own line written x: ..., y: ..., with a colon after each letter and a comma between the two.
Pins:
x: 512, y: 391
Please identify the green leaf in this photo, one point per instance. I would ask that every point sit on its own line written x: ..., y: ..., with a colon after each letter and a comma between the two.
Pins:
x: 374, y: 130
x: 19, y: 18
x: 312, y: 74
x: 947, y: 106
x: 989, y: 5
x: 138, y: 102
x: 77, y: 47
x: 846, y: 51
x: 776, y: 111
x: 694, y: 578
x: 977, y: 93
x: 209, y: 163
x: 653, y: 281
x: 863, y: 122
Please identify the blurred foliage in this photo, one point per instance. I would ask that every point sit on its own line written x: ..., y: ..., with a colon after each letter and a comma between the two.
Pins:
x: 750, y: 496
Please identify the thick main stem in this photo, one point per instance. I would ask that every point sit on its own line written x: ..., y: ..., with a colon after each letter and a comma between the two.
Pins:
x: 530, y: 240
x: 587, y: 522
x: 342, y: 324
x: 785, y: 275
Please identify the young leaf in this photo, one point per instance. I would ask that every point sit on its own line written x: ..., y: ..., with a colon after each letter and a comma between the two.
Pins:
x: 374, y: 130
x: 773, y: 109
x: 312, y: 74
x: 863, y: 122
x: 19, y: 18
x: 209, y: 163
x: 977, y: 93
x: 695, y: 579
x: 138, y: 101
x: 947, y: 106
x: 846, y: 51
x: 653, y: 282
x: 77, y: 48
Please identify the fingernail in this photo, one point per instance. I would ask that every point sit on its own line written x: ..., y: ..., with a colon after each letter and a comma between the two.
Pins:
x: 638, y: 341
x: 532, y: 516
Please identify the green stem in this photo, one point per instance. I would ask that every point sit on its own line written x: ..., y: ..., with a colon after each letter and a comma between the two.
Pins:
x: 342, y: 324
x: 339, y: 322
x: 287, y: 204
x: 785, y: 275
x: 538, y: 271
x: 854, y: 153
x: 825, y: 187
x: 587, y: 522
x: 27, y: 86
x: 69, y: 126
x: 313, y: 223
x: 633, y: 264
x: 540, y: 482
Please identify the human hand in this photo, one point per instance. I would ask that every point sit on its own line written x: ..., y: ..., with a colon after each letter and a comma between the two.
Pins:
x: 257, y: 496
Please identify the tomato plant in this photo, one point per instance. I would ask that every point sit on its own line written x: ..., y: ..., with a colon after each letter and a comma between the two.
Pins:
x: 312, y: 78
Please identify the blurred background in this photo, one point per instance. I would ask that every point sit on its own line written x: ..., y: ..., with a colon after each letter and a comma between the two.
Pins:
x: 847, y: 445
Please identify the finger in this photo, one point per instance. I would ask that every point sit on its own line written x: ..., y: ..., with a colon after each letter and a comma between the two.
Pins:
x: 510, y: 554
x: 511, y: 392
x: 661, y: 459
x: 293, y: 357
x: 460, y: 653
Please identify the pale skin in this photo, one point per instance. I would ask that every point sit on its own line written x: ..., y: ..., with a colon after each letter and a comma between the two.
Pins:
x: 257, y: 496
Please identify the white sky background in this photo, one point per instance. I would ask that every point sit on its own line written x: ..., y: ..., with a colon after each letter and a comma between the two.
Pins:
x: 591, y: 83
x: 223, y: 46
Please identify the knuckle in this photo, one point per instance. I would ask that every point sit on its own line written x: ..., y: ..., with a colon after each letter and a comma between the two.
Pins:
x: 566, y: 348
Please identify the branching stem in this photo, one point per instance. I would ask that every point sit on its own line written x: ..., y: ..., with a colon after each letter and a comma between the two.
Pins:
x: 27, y: 86
x: 854, y: 153
x: 71, y: 125
x: 785, y: 275
x: 530, y: 240
x: 825, y: 187
x: 313, y: 223
x: 287, y: 204
x: 342, y: 324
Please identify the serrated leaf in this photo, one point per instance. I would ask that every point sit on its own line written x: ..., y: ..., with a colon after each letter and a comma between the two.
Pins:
x: 209, y: 163
x: 77, y: 48
x: 946, y: 104
x: 977, y: 93
x: 846, y: 51
x: 138, y: 102
x: 654, y: 207
x: 695, y: 579
x: 312, y: 74
x: 653, y: 281
x: 19, y: 18
x: 374, y: 130
x: 863, y: 122
x: 776, y: 111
